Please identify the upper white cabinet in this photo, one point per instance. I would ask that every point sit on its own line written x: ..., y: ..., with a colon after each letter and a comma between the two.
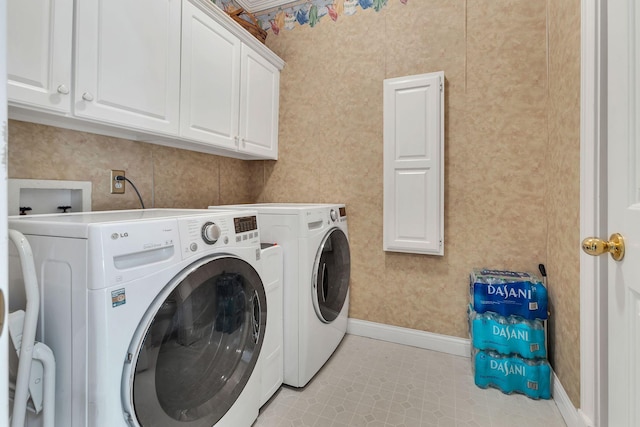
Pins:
x: 259, y: 105
x: 128, y: 63
x: 210, y: 80
x: 39, y: 34
x: 173, y: 72
x: 414, y: 164
x: 229, y: 98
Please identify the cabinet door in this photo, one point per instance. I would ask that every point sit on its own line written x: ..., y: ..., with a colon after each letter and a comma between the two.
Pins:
x: 259, y: 104
x: 414, y: 164
x: 128, y: 63
x: 210, y: 80
x: 39, y: 53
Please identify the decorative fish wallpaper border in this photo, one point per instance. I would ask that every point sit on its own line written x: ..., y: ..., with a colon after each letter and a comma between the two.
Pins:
x: 307, y: 12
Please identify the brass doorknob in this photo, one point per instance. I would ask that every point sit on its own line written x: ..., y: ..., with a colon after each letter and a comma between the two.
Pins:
x: 615, y: 246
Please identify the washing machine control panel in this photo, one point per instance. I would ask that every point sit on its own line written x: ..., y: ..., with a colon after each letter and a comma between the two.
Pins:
x: 246, y: 228
x: 343, y: 214
x: 202, y: 233
x: 245, y: 224
x: 338, y: 214
x: 211, y: 232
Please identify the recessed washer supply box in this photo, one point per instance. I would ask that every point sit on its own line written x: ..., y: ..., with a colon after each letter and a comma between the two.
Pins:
x: 46, y: 196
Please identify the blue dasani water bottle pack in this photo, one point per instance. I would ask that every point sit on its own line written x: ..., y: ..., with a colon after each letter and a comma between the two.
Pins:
x: 508, y: 335
x: 507, y: 317
x: 512, y: 374
x: 508, y: 293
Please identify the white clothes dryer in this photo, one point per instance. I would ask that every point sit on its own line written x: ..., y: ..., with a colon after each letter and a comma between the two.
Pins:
x: 317, y: 267
x: 156, y: 317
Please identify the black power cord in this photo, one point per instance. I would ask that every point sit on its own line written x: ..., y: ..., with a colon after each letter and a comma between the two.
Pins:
x: 123, y: 178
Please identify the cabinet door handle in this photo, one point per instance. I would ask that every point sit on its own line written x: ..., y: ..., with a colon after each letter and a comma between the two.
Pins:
x: 87, y: 96
x: 62, y: 89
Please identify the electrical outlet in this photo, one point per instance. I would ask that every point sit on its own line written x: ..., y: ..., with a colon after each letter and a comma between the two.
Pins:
x: 117, y: 187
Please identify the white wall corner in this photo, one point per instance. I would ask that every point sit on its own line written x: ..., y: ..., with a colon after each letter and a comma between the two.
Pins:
x: 458, y: 347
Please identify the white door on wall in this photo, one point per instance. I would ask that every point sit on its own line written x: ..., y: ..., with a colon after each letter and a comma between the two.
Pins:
x: 414, y: 164
x: 623, y: 149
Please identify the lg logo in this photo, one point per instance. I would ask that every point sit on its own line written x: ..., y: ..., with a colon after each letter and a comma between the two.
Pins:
x: 116, y: 236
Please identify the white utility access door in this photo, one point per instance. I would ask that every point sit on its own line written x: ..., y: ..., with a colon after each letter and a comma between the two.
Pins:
x: 414, y: 164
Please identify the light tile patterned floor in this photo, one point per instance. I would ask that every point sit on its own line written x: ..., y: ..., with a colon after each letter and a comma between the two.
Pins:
x: 377, y: 384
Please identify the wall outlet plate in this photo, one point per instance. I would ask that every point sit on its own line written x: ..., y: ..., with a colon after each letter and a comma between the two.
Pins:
x: 117, y: 187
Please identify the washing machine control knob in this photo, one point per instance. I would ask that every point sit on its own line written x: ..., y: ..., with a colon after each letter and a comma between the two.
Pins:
x: 334, y: 215
x: 211, y: 233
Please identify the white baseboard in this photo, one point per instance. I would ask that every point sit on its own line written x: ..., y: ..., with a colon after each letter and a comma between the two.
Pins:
x: 458, y: 347
x: 412, y: 337
x: 572, y: 416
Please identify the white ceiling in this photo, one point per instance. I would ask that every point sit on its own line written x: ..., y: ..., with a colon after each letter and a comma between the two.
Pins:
x: 258, y: 5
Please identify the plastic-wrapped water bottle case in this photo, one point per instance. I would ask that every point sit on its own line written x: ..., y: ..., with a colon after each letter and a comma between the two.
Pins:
x: 508, y: 335
x: 508, y: 293
x: 512, y: 374
x: 508, y: 332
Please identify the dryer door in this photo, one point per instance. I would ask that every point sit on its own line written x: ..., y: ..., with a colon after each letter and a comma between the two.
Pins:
x: 198, y: 346
x: 331, y: 276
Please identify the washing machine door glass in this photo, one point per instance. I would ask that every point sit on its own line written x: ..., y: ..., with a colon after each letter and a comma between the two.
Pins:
x: 199, y: 345
x: 331, y: 275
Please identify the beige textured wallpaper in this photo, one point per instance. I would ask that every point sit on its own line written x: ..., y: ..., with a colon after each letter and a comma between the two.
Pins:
x: 499, y: 156
x: 563, y: 192
x: 165, y: 177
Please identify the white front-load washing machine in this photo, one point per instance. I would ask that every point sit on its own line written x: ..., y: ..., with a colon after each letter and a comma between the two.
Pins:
x: 156, y: 317
x: 272, y: 353
x: 317, y: 267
